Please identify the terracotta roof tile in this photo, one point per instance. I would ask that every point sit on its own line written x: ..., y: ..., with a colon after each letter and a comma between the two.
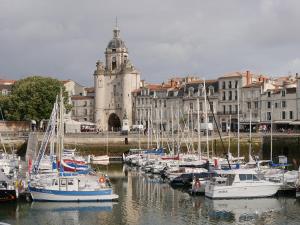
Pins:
x: 79, y: 97
x: 7, y: 82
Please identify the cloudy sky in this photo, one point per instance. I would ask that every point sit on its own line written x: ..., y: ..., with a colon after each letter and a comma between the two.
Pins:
x: 64, y: 38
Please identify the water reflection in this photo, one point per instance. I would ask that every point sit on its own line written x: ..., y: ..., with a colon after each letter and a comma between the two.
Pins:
x: 241, y: 210
x: 146, y: 200
x: 72, y: 206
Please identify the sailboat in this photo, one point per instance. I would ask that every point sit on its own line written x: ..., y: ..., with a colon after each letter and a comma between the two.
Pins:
x: 66, y: 186
x: 102, y: 159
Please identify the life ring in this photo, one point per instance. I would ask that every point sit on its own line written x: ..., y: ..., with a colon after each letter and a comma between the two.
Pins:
x: 101, y: 179
x: 197, y: 184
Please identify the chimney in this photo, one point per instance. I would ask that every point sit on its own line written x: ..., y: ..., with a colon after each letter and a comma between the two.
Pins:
x: 248, y: 77
x: 172, y: 83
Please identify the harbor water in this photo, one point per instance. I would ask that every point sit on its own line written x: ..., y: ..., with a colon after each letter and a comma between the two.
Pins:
x: 147, y: 200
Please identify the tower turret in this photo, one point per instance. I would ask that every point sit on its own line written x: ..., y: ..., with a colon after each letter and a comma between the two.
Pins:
x: 99, y: 84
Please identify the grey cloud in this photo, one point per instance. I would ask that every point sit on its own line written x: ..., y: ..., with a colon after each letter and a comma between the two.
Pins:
x: 172, y: 37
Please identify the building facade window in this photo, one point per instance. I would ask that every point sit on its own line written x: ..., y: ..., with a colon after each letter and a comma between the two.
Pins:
x: 191, y: 106
x: 283, y: 115
x: 201, y: 106
x: 229, y: 84
x: 269, y: 94
x: 283, y: 104
x: 269, y: 105
x: 283, y: 93
x: 256, y: 104
x: 249, y: 105
x: 211, y: 106
x: 224, y: 85
x: 291, y: 115
x: 230, y: 95
x: 269, y: 116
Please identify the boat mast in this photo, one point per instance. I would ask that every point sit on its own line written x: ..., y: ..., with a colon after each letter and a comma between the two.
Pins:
x: 107, y: 142
x: 199, y: 131
x: 156, y: 128
x: 238, y: 117
x: 178, y: 130
x: 172, y: 130
x: 148, y: 129
x: 229, y: 130
x: 140, y: 122
x: 192, y: 127
x: 151, y: 134
x: 61, y: 126
x: 206, y: 120
x: 161, y: 127
x: 250, y: 133
x: 271, y: 150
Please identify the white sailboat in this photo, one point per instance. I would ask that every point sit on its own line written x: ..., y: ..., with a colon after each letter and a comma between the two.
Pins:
x: 63, y: 186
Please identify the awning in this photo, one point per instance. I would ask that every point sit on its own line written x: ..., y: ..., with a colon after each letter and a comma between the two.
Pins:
x: 282, y: 121
x: 295, y: 123
x: 248, y: 122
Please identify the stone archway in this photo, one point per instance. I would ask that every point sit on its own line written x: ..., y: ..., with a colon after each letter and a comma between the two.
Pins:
x: 114, y: 122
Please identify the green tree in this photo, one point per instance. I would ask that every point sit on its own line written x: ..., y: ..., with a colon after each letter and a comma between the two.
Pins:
x: 32, y: 98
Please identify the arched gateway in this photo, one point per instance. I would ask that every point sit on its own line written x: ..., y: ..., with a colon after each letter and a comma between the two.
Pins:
x: 114, y: 123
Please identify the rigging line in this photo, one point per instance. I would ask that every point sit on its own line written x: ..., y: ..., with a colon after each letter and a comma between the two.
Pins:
x: 216, y: 123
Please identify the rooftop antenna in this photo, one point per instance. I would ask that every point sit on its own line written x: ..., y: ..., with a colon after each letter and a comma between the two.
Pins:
x: 116, y: 22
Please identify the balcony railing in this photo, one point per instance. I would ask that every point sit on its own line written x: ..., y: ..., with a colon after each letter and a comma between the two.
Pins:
x: 228, y: 112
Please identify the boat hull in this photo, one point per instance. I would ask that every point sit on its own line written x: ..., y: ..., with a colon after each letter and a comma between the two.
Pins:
x: 7, y: 195
x: 72, y: 196
x: 245, y: 191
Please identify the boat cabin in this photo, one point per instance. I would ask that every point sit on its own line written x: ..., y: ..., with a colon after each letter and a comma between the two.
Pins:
x: 227, y: 178
x: 65, y: 184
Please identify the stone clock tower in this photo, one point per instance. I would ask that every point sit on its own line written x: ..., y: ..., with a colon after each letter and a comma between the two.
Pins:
x: 114, y: 81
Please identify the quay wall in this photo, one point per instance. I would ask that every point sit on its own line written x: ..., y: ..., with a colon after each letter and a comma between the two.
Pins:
x: 115, y: 145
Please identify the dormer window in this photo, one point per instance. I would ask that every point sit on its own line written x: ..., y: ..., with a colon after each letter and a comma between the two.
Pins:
x: 269, y: 93
x: 283, y: 93
x: 191, y: 91
x: 200, y: 90
x: 211, y: 90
